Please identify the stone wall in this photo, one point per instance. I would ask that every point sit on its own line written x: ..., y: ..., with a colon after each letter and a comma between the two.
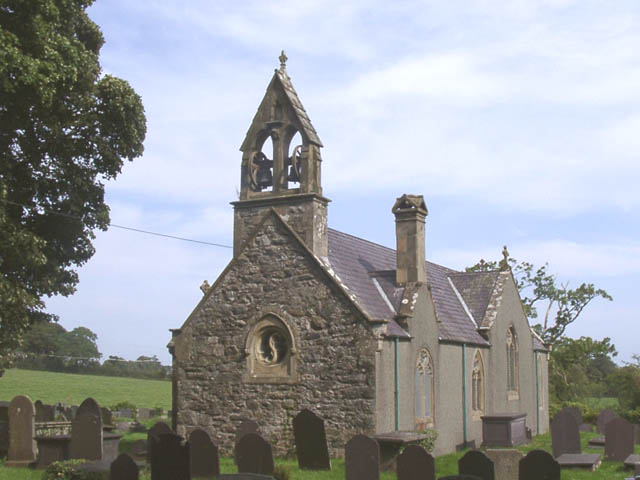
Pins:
x: 334, y: 349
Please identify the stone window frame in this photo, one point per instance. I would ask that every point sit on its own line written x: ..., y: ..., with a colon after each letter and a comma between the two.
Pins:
x: 260, y: 365
x: 424, y: 376
x: 477, y: 386
x: 540, y: 381
x: 513, y: 386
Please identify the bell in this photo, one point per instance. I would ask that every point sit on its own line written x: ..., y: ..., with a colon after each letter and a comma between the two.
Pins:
x: 265, y: 177
x: 294, y: 174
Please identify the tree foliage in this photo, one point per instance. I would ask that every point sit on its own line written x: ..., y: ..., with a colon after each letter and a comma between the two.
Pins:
x: 65, y: 128
x: 561, y: 305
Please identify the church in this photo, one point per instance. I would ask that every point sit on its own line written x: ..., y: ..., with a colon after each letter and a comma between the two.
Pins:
x: 374, y: 340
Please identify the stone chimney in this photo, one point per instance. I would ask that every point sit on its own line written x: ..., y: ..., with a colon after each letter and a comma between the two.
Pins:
x: 410, y: 212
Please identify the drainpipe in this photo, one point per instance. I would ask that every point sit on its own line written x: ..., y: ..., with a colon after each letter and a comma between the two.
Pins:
x: 464, y: 394
x: 537, y: 396
x: 397, y: 392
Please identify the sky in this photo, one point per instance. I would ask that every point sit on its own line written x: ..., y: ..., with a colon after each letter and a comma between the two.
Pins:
x: 517, y: 120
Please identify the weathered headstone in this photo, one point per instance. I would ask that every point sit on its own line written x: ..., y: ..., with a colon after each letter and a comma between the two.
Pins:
x: 565, y: 437
x: 618, y: 440
x: 86, y: 437
x: 538, y: 465
x: 170, y: 458
x: 246, y: 426
x: 605, y: 417
x: 362, y: 458
x: 254, y: 455
x: 124, y: 468
x: 40, y: 413
x: 22, y: 446
x: 49, y: 413
x: 475, y: 462
x: 91, y: 407
x: 311, y: 441
x: 636, y: 432
x: 107, y: 418
x: 415, y: 463
x: 159, y: 428
x: 4, y: 428
x: 205, y: 460
x: 144, y: 413
x: 505, y: 463
x: 576, y: 412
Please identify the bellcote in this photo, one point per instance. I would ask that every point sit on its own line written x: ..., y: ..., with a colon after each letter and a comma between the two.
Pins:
x: 289, y: 169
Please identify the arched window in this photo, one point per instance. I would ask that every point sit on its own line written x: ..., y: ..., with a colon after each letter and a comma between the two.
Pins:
x: 477, y: 384
x: 512, y: 361
x: 271, y: 353
x: 424, y: 390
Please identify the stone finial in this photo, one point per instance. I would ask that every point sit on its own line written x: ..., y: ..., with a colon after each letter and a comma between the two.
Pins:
x: 504, y: 263
x: 205, y: 287
x: 283, y: 61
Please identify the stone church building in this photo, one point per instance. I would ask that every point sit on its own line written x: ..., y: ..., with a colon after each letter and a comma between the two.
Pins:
x: 372, y: 339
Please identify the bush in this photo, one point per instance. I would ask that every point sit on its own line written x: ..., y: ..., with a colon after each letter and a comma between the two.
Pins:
x: 429, y: 443
x: 68, y: 470
x: 589, y: 414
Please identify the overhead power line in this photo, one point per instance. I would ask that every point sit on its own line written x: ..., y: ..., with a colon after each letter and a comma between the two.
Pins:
x: 132, y: 229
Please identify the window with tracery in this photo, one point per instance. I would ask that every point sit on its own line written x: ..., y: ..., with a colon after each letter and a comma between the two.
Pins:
x: 477, y: 384
x: 512, y: 360
x: 270, y: 352
x: 424, y: 389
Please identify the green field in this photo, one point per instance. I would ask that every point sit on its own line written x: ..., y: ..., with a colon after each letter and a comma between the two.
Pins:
x: 72, y: 389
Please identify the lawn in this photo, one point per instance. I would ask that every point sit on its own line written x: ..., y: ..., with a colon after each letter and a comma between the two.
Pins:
x: 72, y: 389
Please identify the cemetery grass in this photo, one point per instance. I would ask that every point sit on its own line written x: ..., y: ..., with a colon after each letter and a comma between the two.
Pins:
x: 72, y: 389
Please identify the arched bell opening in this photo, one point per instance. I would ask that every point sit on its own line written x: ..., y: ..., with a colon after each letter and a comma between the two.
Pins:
x: 294, y: 160
x: 261, y: 165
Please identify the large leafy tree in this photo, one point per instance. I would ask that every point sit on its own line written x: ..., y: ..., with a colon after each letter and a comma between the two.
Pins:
x: 562, y: 305
x: 65, y: 128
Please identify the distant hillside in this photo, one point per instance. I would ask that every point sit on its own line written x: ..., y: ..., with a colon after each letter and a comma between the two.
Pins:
x: 72, y: 389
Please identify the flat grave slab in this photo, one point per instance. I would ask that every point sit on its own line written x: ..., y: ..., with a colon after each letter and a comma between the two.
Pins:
x: 631, y: 460
x: 589, y: 461
x: 597, y: 442
x: 392, y: 443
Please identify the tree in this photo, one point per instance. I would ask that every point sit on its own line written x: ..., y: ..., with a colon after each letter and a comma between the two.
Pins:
x: 65, y: 128
x: 562, y: 305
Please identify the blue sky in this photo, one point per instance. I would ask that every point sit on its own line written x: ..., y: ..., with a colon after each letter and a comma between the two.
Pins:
x: 517, y: 120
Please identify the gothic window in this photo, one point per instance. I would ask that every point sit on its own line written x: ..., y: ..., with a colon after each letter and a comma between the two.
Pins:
x: 512, y: 361
x: 424, y: 390
x: 477, y: 384
x: 270, y: 352
x: 540, y: 380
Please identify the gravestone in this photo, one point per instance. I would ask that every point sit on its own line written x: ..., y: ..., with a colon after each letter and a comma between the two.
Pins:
x: 538, y: 465
x: 605, y: 417
x: 144, y: 413
x: 618, y: 440
x: 475, y: 462
x: 415, y: 463
x: 73, y: 410
x: 86, y: 437
x: 362, y: 458
x: 505, y: 463
x: 159, y: 428
x: 246, y: 426
x: 204, y: 455
x: 138, y: 450
x: 107, y: 418
x: 636, y: 433
x: 576, y: 412
x: 22, y: 446
x: 49, y: 413
x: 40, y: 413
x: 254, y: 455
x: 124, y: 468
x: 565, y: 437
x: 170, y: 458
x: 4, y: 428
x: 91, y: 407
x: 311, y: 441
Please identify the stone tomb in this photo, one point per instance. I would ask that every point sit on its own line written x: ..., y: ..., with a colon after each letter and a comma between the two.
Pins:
x: 159, y: 428
x: 124, y: 468
x: 22, y: 446
x: 362, y: 458
x: 505, y: 463
x: 311, y: 441
x: 619, y: 440
x: 254, y: 455
x: 86, y: 436
x: 415, y: 463
x: 475, y: 462
x: 170, y: 458
x: 205, y: 461
x: 538, y: 465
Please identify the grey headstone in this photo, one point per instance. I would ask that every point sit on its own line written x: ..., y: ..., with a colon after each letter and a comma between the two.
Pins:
x: 144, y: 413
x: 565, y: 437
x: 159, y: 428
x: 311, y: 441
x: 254, y: 455
x: 170, y: 458
x: 86, y: 437
x: 505, y: 463
x: 40, y: 413
x: 22, y: 446
x: 246, y: 426
x: 362, y: 458
x: 106, y: 416
x: 636, y: 432
x: 49, y: 413
x: 475, y: 462
x: 91, y: 407
x: 637, y: 469
x: 618, y: 440
x: 4, y: 428
x: 205, y: 460
x: 605, y: 417
x: 415, y: 463
x: 125, y: 413
x: 575, y: 411
x: 538, y: 465
x: 124, y: 468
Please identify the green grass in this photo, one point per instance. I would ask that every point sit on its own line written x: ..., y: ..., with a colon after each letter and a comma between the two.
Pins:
x: 598, y: 403
x: 72, y: 389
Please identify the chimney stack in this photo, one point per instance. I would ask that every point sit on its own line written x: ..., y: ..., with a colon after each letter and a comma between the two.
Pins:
x: 410, y: 212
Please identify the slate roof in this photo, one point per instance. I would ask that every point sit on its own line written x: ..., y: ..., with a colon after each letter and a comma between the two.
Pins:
x: 299, y: 110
